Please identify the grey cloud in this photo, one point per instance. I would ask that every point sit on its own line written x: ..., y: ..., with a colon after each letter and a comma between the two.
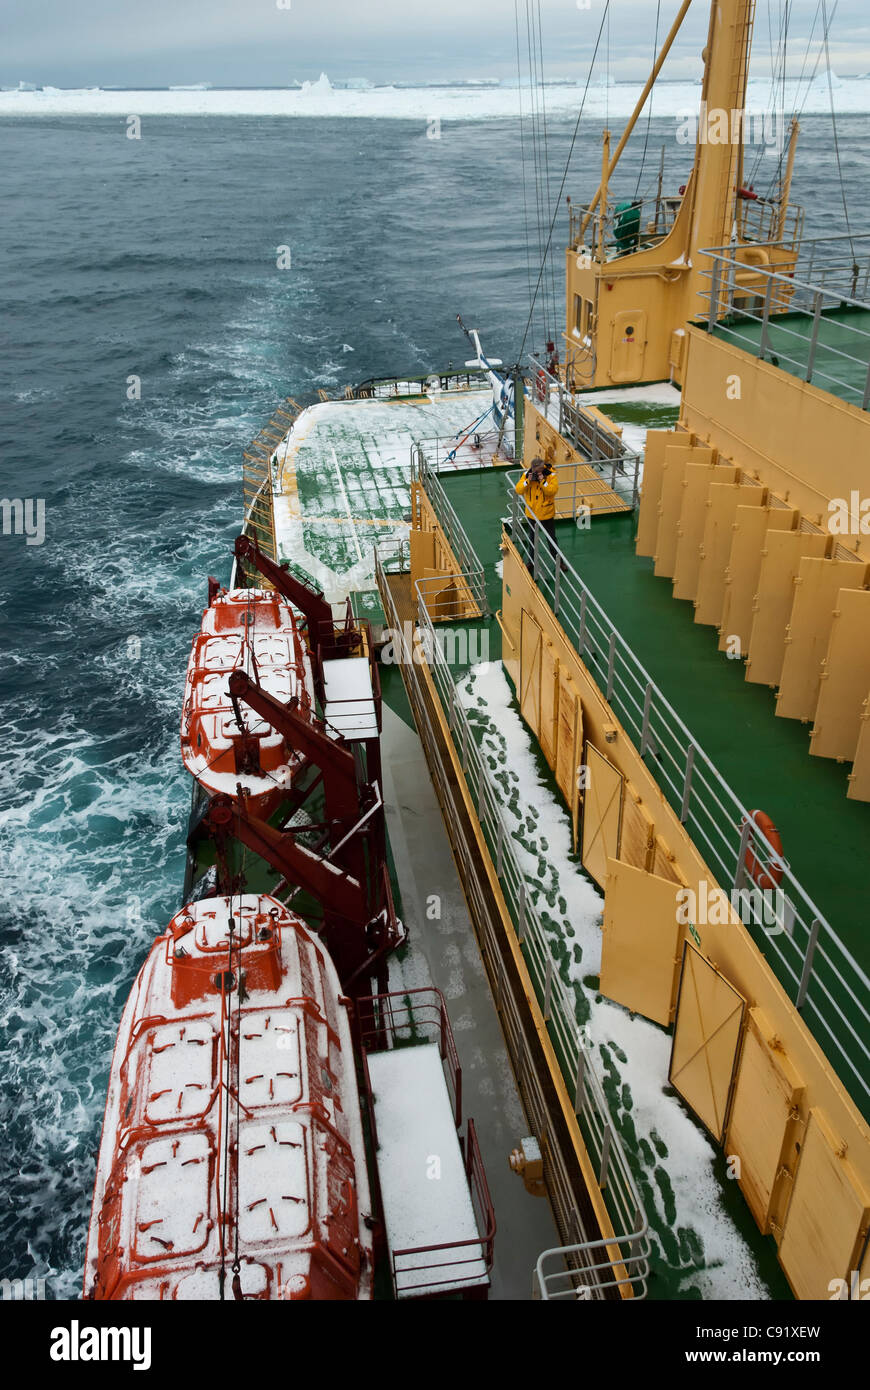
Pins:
x: 260, y: 43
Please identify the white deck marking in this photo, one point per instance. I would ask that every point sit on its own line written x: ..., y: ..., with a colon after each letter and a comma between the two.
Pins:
x: 346, y: 504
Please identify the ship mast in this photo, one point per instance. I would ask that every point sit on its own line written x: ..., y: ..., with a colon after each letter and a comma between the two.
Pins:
x: 627, y: 304
x: 712, y: 191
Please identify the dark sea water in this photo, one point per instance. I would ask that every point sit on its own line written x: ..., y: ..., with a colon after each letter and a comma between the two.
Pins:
x: 157, y: 259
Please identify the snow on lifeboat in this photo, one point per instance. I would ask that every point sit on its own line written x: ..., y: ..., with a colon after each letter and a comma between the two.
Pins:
x: 223, y: 745
x: 232, y: 1162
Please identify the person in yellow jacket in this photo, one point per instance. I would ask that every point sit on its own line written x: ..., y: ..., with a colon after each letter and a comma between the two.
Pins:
x: 538, y: 487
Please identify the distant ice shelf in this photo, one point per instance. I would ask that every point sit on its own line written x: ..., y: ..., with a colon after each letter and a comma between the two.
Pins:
x: 463, y: 102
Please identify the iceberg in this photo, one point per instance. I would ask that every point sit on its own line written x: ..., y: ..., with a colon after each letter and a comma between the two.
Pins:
x: 322, y: 87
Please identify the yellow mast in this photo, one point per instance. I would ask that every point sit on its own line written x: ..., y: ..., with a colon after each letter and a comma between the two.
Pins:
x: 641, y: 103
x: 624, y: 316
x: 602, y: 194
x: 712, y: 190
x: 785, y: 193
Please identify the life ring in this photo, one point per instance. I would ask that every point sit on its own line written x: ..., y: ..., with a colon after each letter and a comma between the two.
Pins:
x: 764, y: 876
x: 541, y: 385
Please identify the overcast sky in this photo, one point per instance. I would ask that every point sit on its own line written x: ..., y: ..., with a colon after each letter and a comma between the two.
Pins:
x: 83, y: 43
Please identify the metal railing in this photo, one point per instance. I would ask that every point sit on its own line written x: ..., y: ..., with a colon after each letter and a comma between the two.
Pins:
x: 406, y: 1018
x: 578, y: 494
x: 412, y: 1016
x: 592, y: 438
x: 556, y: 1278
x: 470, y: 567
x: 599, y: 445
x: 389, y: 387
x: 456, y: 1264
x: 631, y: 224
x: 822, y: 977
x: 469, y: 448
x: 791, y: 312
x: 636, y: 224
x: 759, y: 221
x: 555, y: 997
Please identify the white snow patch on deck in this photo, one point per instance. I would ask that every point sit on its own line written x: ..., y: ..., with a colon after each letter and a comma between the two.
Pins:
x: 540, y: 835
x: 417, y: 1138
x: 538, y: 823
x: 349, y: 702
x: 730, y: 1271
x: 661, y: 393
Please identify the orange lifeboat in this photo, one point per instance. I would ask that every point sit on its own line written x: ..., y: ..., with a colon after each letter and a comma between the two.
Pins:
x: 232, y: 1162
x: 223, y: 746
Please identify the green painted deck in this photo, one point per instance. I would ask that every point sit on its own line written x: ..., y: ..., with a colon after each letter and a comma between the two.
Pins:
x: 765, y: 759
x: 789, y: 336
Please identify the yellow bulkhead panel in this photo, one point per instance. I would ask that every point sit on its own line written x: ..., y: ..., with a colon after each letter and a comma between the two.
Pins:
x: 829, y: 1210
x: 657, y: 442
x: 665, y: 864
x: 845, y: 678
x: 809, y: 630
x: 422, y: 554
x: 859, y: 777
x: 445, y: 588
x: 637, y: 844
x: 640, y: 947
x: 602, y: 814
x: 693, y: 515
x: 761, y: 1125
x: 715, y: 549
x: 567, y: 746
x: 677, y: 457
x: 780, y: 563
x: 752, y: 528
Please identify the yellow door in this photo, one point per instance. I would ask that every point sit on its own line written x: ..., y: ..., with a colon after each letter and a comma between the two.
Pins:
x: 707, y: 1032
x: 602, y: 813
x: 628, y: 345
x: 530, y: 672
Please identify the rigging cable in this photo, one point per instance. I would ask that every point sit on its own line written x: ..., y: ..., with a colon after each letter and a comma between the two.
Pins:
x: 855, y: 266
x: 533, y: 100
x: 523, y: 152
x: 651, y: 103
x: 651, y: 96
x: 811, y: 79
x: 564, y: 176
x: 778, y: 55
x: 553, y: 291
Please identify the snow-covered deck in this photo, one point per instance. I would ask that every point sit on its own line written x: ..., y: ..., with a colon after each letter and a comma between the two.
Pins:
x: 424, y: 1187
x: 349, y: 700
x: 343, y: 478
